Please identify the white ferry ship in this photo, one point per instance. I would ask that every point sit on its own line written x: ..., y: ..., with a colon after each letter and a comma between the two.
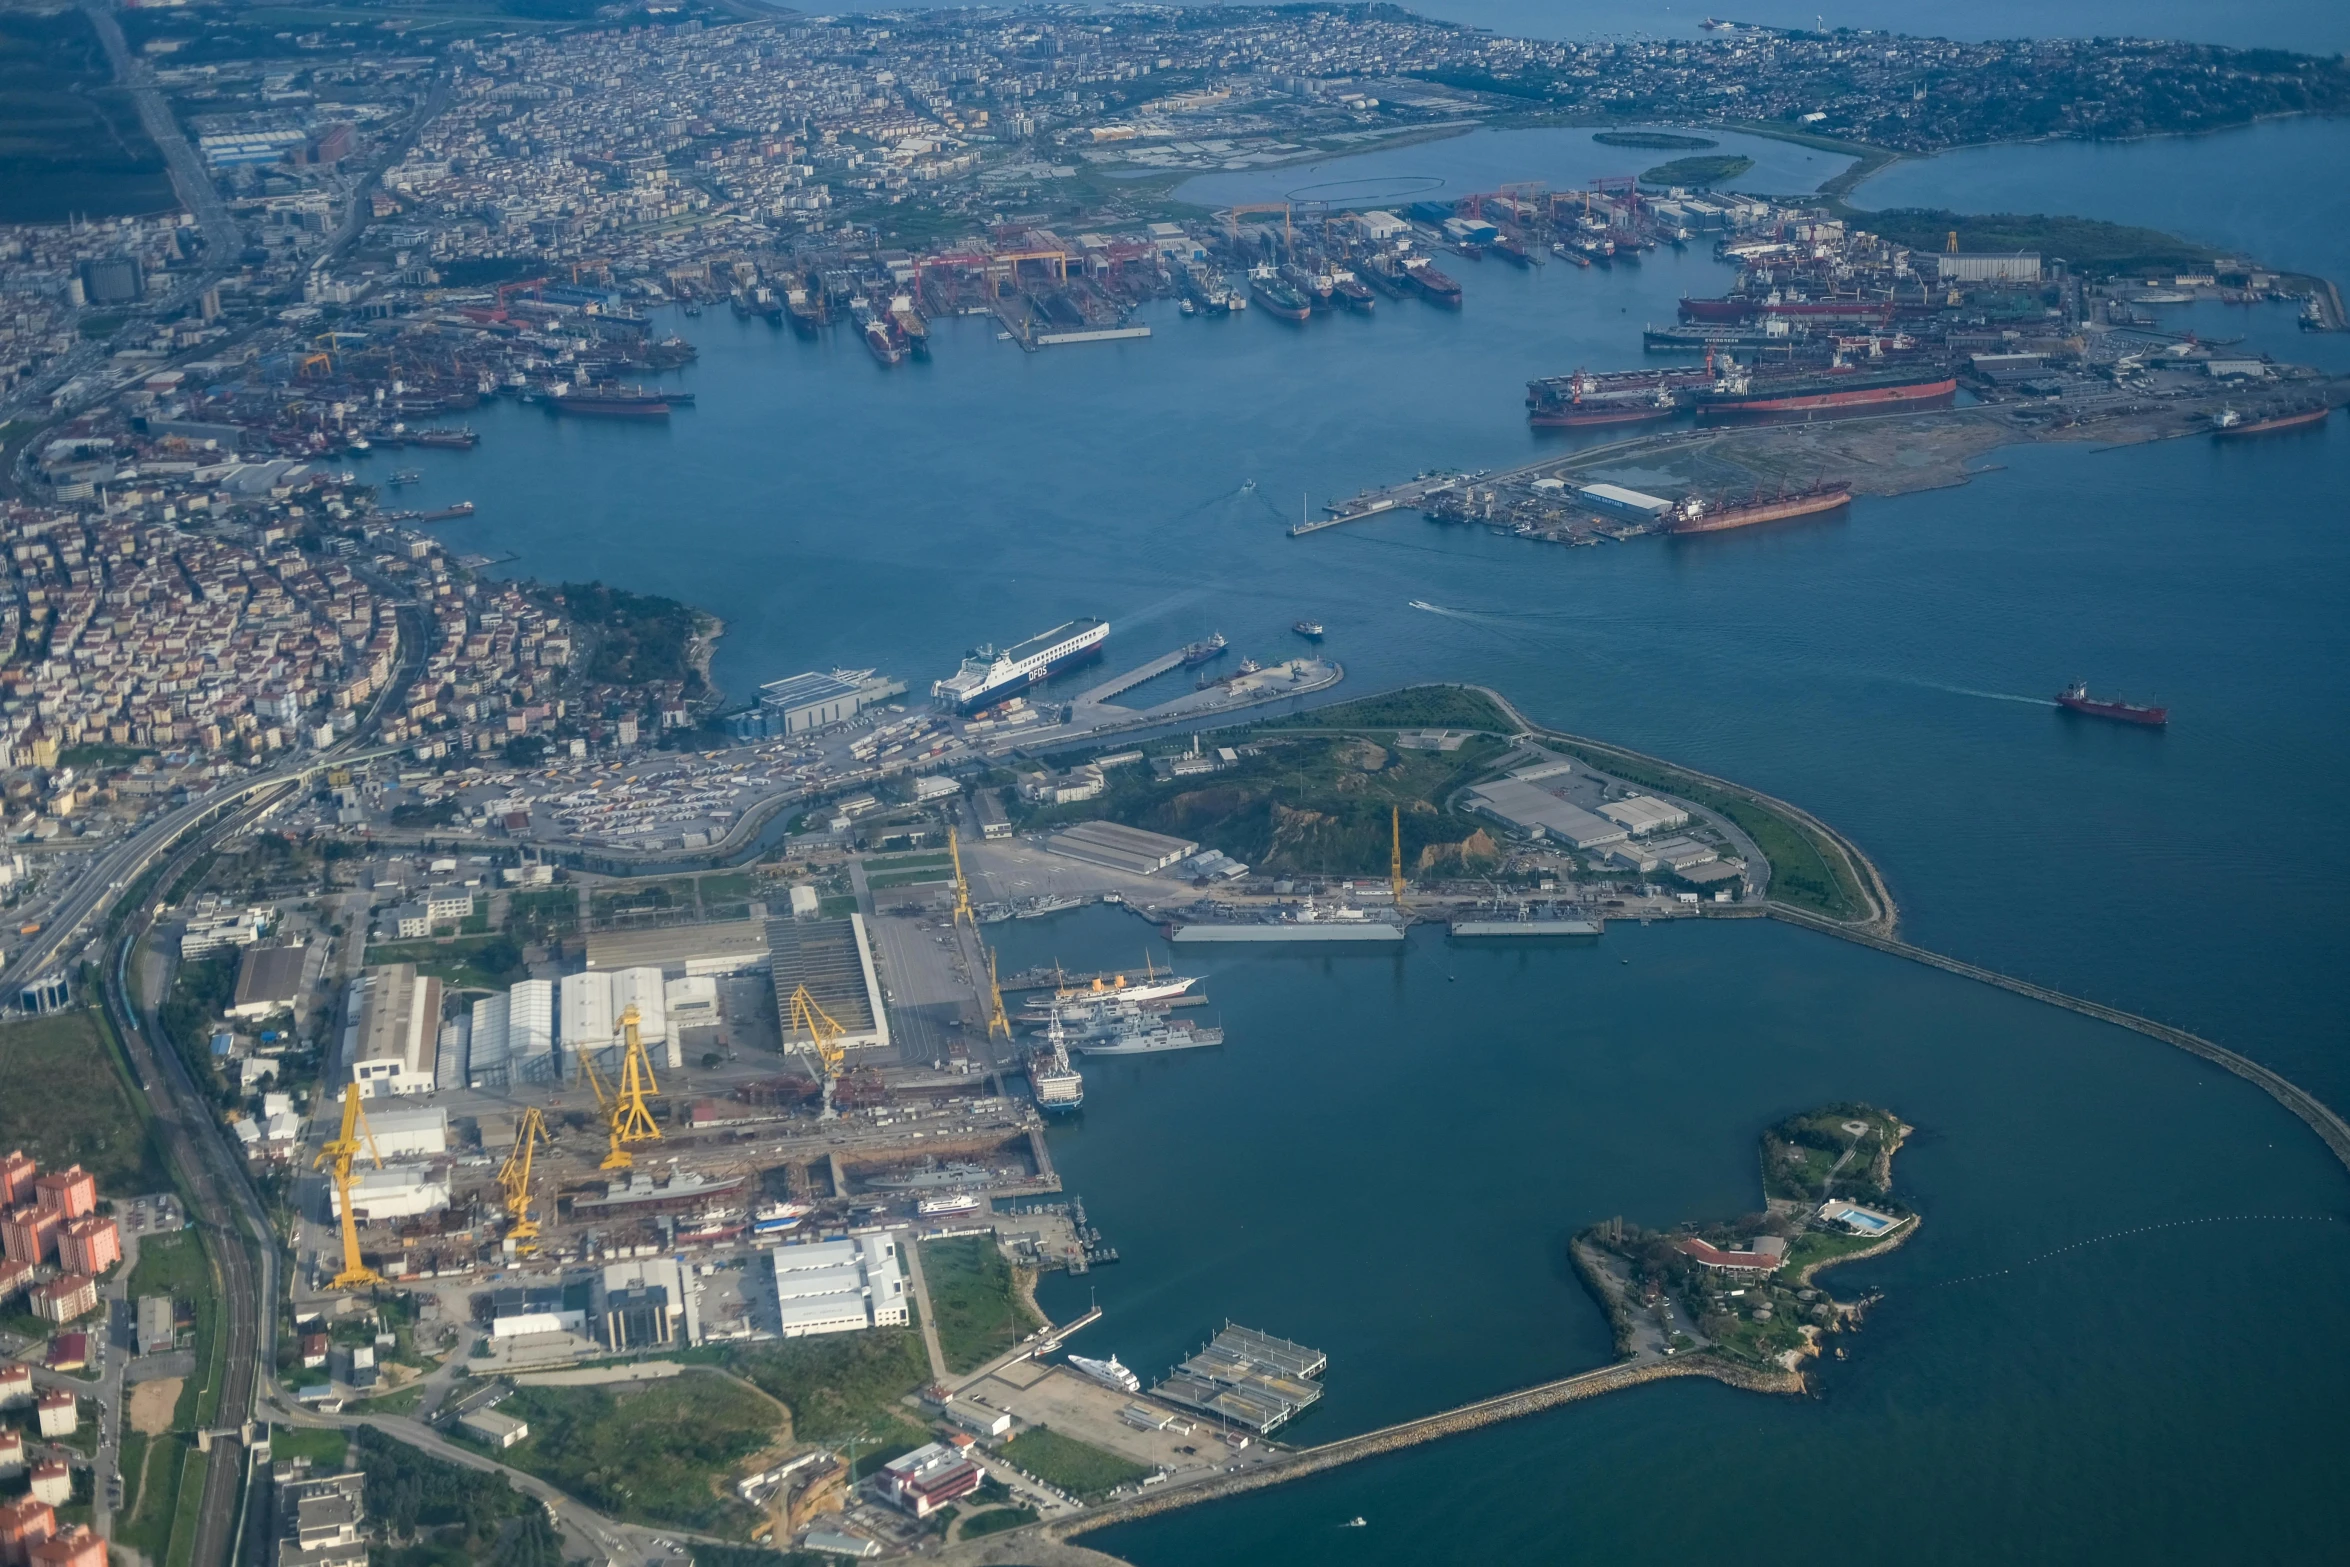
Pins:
x: 988, y: 676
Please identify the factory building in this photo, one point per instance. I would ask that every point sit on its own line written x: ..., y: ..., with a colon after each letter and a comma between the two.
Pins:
x: 1981, y: 266
x: 492, y: 1429
x: 512, y: 1037
x: 392, y: 1030
x: 839, y: 1286
x: 1629, y: 503
x: 1128, y: 849
x: 1639, y: 814
x: 1534, y: 810
x: 588, y: 1010
x: 538, y: 1308
x: 804, y: 704
x: 834, y: 959
x: 269, y: 980
x: 409, y: 1132
x: 393, y: 1192
x: 720, y: 947
x: 643, y: 1302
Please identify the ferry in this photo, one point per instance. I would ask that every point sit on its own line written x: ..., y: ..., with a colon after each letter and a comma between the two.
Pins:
x: 947, y: 1207
x: 1107, y: 1372
x: 988, y: 676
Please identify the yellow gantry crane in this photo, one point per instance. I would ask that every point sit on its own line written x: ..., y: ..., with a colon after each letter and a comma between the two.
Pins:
x: 997, y: 1023
x: 625, y: 1111
x: 336, y: 1159
x: 1395, y: 853
x: 514, y: 1180
x: 962, y: 888
x: 823, y: 1045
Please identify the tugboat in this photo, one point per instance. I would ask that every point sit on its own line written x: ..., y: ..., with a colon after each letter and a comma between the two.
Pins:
x: 2075, y: 698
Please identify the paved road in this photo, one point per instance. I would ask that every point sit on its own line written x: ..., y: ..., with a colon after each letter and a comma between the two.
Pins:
x: 197, y: 193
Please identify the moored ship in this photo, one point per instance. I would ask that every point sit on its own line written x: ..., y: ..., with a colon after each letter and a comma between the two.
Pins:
x: 1743, y: 396
x: 1107, y: 1372
x: 1198, y: 653
x: 1433, y: 285
x: 1579, y: 399
x: 912, y: 330
x: 2075, y: 698
x: 988, y: 676
x: 2228, y: 425
x: 1278, y: 295
x: 1698, y: 516
x: 611, y: 401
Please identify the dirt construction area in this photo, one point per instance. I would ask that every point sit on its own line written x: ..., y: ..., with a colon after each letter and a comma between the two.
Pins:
x: 152, y: 1404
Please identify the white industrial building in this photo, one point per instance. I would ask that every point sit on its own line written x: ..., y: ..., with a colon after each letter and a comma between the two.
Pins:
x: 692, y: 1002
x: 409, y: 1132
x: 839, y: 1286
x: 1533, y: 809
x: 1640, y: 815
x: 1992, y: 266
x: 513, y: 1037
x: 392, y: 1031
x: 393, y: 1192
x: 588, y: 1011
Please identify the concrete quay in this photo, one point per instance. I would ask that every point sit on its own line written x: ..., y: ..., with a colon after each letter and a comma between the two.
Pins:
x: 1092, y: 719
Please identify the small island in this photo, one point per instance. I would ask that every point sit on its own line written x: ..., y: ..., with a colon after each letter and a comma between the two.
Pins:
x: 1744, y: 1291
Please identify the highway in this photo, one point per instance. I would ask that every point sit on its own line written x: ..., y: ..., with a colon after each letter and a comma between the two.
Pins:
x: 222, y: 237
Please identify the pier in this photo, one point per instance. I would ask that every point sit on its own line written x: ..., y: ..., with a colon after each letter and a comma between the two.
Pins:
x: 1118, y: 684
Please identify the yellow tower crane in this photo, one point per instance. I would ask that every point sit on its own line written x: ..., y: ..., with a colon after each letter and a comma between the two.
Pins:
x: 340, y: 1151
x: 823, y: 1046
x: 1395, y: 853
x: 962, y: 887
x: 514, y: 1180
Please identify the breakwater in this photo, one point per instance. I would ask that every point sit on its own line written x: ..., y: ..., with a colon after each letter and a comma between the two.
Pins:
x: 2319, y: 1116
x: 1428, y: 1428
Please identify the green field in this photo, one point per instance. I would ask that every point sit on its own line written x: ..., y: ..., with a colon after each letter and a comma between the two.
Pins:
x: 1702, y: 171
x: 2087, y: 245
x: 658, y: 1453
x: 1082, y: 1471
x: 842, y: 1386
x: 971, y: 1295
x: 69, y: 141
x: 491, y: 962
x: 63, y: 1101
x: 1414, y: 707
x: 325, y: 1448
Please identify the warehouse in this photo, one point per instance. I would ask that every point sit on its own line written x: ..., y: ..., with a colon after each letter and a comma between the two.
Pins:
x: 513, y: 1037
x: 839, y: 1286
x: 391, y: 1193
x: 1639, y: 814
x: 588, y: 1016
x: 1978, y: 266
x: 392, y: 1030
x: 802, y: 704
x: 410, y: 1132
x: 1128, y: 849
x: 721, y: 947
x: 1615, y: 498
x: 1533, y: 809
x: 834, y: 960
x: 269, y: 979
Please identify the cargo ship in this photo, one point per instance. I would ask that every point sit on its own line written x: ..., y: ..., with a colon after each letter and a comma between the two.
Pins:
x: 1696, y: 516
x: 882, y: 340
x: 2075, y: 698
x: 988, y: 676
x: 804, y: 315
x: 912, y: 330
x: 1741, y: 396
x: 1353, y: 293
x: 1433, y: 285
x: 1579, y: 399
x: 2228, y: 425
x: 1198, y: 653
x: 1278, y: 295
x: 610, y: 402
x: 1512, y: 250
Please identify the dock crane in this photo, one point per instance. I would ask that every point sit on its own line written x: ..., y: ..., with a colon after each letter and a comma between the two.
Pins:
x: 1395, y: 853
x: 514, y: 1180
x: 823, y: 1048
x: 336, y: 1159
x: 962, y: 887
x: 625, y: 1110
x: 997, y: 1023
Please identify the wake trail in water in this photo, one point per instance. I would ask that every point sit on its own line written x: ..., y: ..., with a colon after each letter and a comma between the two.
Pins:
x: 2143, y: 1229
x: 1988, y: 696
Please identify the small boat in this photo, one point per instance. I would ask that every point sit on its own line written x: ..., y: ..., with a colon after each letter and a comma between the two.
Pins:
x: 1311, y: 630
x: 2075, y: 698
